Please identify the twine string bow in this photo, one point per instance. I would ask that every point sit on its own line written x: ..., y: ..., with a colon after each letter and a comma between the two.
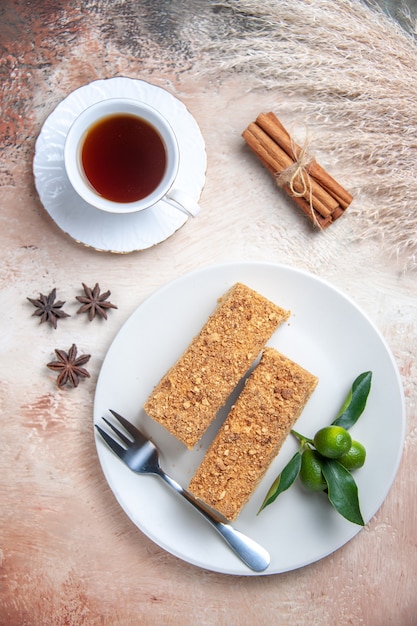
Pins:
x: 296, y: 176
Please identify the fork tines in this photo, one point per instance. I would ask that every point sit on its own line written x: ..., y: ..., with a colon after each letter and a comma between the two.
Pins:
x: 114, y: 445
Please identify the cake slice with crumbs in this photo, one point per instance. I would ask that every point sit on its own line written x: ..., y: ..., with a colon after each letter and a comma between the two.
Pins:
x: 271, y: 401
x: 188, y: 397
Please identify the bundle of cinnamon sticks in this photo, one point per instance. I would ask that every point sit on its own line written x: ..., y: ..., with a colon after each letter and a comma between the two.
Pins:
x: 317, y: 194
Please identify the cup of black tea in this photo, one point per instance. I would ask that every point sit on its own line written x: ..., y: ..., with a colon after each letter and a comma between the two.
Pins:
x: 122, y: 156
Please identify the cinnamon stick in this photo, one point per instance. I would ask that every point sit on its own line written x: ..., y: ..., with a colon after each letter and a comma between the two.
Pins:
x: 273, y: 127
x: 323, y: 202
x: 265, y: 159
x: 318, y: 195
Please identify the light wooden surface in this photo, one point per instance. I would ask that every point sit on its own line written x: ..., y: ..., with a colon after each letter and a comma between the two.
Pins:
x: 68, y: 553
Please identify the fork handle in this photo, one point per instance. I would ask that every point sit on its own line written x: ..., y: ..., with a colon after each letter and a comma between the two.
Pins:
x: 250, y: 552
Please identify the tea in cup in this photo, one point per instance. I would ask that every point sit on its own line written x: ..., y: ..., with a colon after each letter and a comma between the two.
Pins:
x: 122, y: 156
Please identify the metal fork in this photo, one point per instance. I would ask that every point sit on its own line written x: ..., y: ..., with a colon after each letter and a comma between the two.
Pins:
x: 142, y: 456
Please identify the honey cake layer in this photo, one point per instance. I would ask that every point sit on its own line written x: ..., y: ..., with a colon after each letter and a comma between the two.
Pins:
x: 271, y: 401
x: 188, y: 397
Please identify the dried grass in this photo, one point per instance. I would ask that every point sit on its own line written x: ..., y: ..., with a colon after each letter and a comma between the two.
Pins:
x: 349, y: 72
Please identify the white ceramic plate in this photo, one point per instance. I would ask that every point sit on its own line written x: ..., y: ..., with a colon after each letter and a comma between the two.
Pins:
x: 88, y: 225
x: 328, y: 335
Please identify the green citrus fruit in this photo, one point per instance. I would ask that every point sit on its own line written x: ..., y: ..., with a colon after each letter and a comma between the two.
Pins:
x: 310, y: 473
x: 332, y: 441
x: 355, y: 457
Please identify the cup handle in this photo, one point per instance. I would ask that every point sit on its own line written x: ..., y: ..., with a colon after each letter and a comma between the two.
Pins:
x: 182, y: 201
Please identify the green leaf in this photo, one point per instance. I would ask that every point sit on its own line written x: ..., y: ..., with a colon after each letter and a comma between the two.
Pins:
x: 355, y: 402
x: 284, y: 480
x: 342, y: 491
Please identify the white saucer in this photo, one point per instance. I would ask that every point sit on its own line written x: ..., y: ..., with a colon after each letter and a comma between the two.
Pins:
x: 81, y: 221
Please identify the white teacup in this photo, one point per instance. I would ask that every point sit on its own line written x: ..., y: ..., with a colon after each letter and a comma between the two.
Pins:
x: 122, y: 156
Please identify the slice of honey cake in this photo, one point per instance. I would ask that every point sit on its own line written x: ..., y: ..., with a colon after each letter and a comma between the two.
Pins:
x: 190, y: 394
x: 272, y: 399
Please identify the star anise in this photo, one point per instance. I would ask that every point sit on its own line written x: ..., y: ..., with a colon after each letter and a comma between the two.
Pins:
x: 94, y: 303
x: 48, y: 309
x: 70, y: 367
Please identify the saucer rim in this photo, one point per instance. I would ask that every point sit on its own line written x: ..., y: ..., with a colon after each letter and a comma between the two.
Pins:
x: 170, y: 220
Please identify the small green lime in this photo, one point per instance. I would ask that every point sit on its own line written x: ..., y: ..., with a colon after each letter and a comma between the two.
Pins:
x: 332, y: 441
x: 355, y: 457
x: 310, y: 473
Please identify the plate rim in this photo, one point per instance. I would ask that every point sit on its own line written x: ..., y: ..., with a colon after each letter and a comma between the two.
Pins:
x: 328, y: 285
